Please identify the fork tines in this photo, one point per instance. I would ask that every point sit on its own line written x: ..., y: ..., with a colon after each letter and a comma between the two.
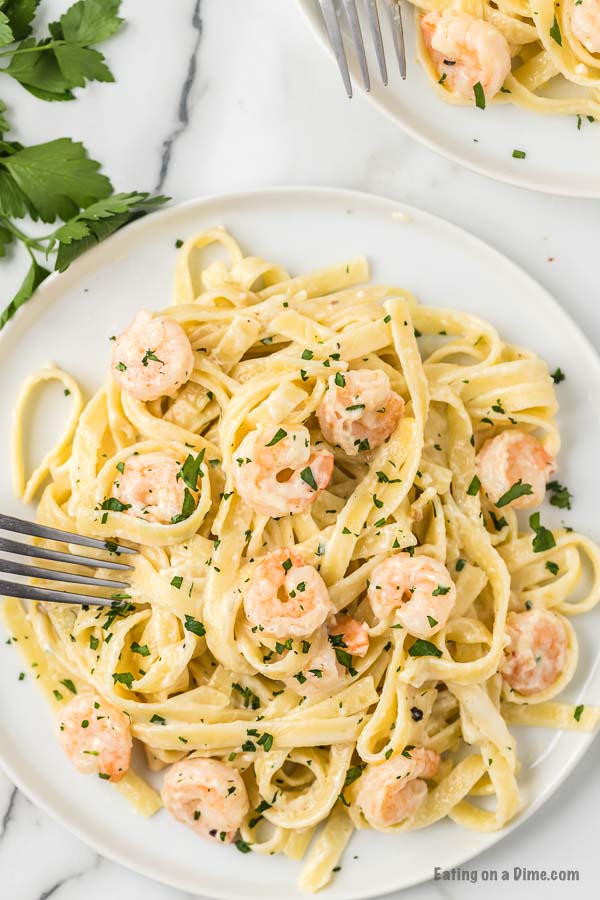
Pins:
x: 332, y: 14
x: 28, y: 591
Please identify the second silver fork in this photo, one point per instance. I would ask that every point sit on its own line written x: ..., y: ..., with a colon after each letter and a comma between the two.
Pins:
x: 332, y: 14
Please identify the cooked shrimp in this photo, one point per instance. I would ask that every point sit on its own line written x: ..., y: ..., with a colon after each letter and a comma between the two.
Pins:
x: 208, y: 796
x: 153, y: 357
x: 419, y: 587
x: 150, y: 488
x: 359, y: 410
x: 537, y: 652
x: 276, y: 472
x: 393, y: 791
x: 96, y: 736
x: 511, y: 456
x: 466, y: 51
x: 321, y: 672
x: 585, y: 23
x: 286, y: 597
x: 354, y: 634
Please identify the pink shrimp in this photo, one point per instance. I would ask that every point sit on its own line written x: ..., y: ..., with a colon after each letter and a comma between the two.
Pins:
x: 153, y: 357
x: 96, y: 736
x: 354, y: 634
x: 585, y: 22
x: 510, y: 457
x: 537, y: 652
x: 276, y: 472
x: 467, y: 52
x: 149, y: 487
x: 419, y: 587
x: 208, y: 796
x: 286, y: 597
x: 393, y: 791
x: 359, y: 410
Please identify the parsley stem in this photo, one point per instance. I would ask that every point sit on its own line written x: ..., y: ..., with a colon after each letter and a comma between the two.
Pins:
x: 37, y: 49
x: 21, y: 236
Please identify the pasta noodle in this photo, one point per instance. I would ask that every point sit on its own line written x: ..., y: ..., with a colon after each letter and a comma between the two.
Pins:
x: 267, y: 626
x: 541, y: 55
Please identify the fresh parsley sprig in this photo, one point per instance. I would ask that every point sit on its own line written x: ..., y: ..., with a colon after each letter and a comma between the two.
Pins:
x: 57, y: 179
x: 50, y: 68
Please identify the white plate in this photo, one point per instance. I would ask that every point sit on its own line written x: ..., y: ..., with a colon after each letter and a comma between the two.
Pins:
x: 69, y: 322
x: 560, y: 158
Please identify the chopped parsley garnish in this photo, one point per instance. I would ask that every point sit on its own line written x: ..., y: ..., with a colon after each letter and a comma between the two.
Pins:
x: 473, y: 488
x: 519, y: 154
x: 499, y: 523
x: 193, y: 625
x: 440, y: 590
x: 552, y: 567
x: 142, y: 649
x: 513, y: 493
x: 278, y: 436
x: 265, y: 741
x: 479, y: 95
x: 150, y: 356
x: 93, y: 642
x: 555, y: 32
x: 543, y: 539
x: 307, y: 476
x: 578, y: 711
x: 249, y: 697
x: 187, y: 508
x: 114, y: 505
x: 424, y: 648
x: 307, y: 354
x: 177, y: 581
x: 69, y: 685
x: 190, y: 471
x: 125, y: 678
x: 382, y: 478
x: 340, y: 380
x: 353, y: 773
x: 557, y: 376
x: 158, y: 720
x: 561, y: 496
x: 242, y: 846
x: 460, y: 564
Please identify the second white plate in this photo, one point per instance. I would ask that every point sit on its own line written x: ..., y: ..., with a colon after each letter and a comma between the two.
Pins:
x: 560, y: 157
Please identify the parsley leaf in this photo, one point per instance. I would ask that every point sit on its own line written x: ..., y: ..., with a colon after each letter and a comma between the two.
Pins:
x: 513, y: 493
x: 561, y: 496
x: 58, y: 178
x: 32, y: 280
x: 544, y: 539
x: 424, y: 648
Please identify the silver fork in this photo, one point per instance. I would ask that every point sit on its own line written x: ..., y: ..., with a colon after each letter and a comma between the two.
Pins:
x: 26, y: 591
x: 332, y: 17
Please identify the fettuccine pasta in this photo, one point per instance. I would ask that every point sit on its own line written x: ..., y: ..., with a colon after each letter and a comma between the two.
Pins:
x: 337, y: 611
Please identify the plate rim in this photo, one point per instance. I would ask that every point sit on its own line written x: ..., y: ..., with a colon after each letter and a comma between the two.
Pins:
x: 388, y: 204
x: 310, y: 16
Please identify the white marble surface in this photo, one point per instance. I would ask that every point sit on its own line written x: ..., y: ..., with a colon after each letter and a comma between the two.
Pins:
x: 219, y: 95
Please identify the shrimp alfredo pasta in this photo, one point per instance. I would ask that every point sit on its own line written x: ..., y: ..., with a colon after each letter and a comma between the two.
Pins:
x: 513, y: 51
x: 336, y: 615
